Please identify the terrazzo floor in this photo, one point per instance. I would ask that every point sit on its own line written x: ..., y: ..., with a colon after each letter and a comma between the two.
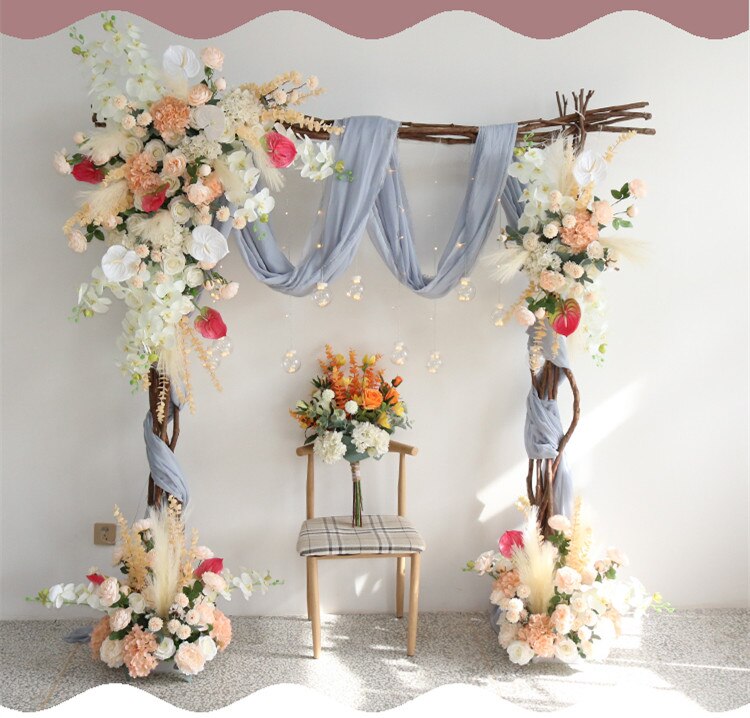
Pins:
x: 702, y: 655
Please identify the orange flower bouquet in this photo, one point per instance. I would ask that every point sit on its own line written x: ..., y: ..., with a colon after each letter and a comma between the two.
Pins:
x: 351, y: 414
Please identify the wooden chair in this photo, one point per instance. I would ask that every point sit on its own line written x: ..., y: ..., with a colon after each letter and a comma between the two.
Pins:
x: 380, y: 536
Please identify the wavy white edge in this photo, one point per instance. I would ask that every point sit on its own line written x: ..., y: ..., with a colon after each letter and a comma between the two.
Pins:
x: 453, y: 699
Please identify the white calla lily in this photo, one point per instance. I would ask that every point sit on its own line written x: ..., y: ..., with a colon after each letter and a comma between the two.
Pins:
x: 120, y: 263
x: 181, y: 61
x: 207, y: 244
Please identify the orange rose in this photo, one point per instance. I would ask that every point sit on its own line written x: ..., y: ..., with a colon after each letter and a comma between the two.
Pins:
x: 372, y: 399
x: 397, y: 381
x: 392, y: 396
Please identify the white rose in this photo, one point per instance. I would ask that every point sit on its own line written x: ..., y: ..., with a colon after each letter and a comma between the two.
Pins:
x: 192, y: 617
x: 520, y: 652
x: 584, y: 633
x: 560, y: 523
x: 132, y: 146
x: 208, y: 647
x: 120, y: 619
x: 578, y: 603
x: 61, y: 164
x: 108, y: 591
x: 530, y: 241
x: 79, y: 138
x: 632, y: 211
x: 157, y: 149
x: 515, y: 604
x: 351, y: 407
x: 173, y: 264
x: 229, y: 291
x: 137, y: 602
x: 213, y: 582
x: 165, y: 649
x: 207, y: 244
x: 193, y: 276
x: 221, y: 84
x: 566, y: 651
x: 111, y: 653
x: 179, y: 210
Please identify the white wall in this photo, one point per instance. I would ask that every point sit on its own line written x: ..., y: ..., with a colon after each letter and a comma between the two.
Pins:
x: 661, y: 452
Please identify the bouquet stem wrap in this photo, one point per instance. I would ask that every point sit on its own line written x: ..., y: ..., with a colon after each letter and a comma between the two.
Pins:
x: 356, y: 495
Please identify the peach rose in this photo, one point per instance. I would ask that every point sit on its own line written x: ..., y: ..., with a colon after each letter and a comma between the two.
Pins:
x: 120, y: 619
x: 189, y: 659
x: 111, y: 653
x: 637, y: 188
x: 206, y: 613
x: 174, y: 164
x: 213, y: 582
x: 108, y: 591
x: 199, y: 95
x: 567, y: 579
x: 212, y: 57
x: 214, y: 185
x: 562, y: 619
x: 602, y: 212
x: 198, y: 193
x: 229, y: 291
x: 551, y: 281
x: 77, y: 241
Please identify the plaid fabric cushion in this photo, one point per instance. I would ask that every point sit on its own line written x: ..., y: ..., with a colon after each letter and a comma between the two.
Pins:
x: 335, y: 536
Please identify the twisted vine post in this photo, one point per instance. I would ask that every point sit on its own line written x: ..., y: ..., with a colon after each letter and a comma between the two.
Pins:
x: 160, y: 405
x: 541, y: 474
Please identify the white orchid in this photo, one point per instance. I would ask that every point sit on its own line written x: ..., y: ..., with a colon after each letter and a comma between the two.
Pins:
x: 60, y: 594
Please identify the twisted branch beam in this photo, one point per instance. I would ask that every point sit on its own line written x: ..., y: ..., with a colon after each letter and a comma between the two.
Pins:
x: 578, y: 123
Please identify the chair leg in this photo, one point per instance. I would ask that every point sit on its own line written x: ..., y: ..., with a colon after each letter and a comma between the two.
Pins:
x: 309, y: 593
x: 314, y: 606
x: 411, y: 642
x: 400, y: 581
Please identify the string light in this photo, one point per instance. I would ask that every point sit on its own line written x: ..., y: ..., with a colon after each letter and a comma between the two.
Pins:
x: 321, y: 296
x: 356, y: 290
x: 290, y: 362
x: 498, y: 315
x: 466, y: 291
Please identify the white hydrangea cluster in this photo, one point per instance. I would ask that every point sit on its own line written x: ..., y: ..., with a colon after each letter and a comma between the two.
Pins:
x: 370, y: 439
x: 329, y: 447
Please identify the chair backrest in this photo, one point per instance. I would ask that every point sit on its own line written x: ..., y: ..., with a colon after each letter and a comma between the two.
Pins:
x: 403, y: 450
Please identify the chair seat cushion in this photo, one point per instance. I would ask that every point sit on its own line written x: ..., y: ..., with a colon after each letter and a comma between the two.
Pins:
x: 335, y: 536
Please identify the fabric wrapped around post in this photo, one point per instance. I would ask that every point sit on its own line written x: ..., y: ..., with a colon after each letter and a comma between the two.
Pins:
x: 543, y: 430
x: 163, y: 465
x: 376, y: 199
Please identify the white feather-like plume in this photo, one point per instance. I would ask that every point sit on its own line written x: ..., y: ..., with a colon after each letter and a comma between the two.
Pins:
x: 163, y: 582
x: 631, y: 249
x: 508, y: 261
x: 535, y: 563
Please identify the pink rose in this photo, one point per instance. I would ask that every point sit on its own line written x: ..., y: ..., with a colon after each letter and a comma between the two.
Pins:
x: 508, y: 540
x: 213, y: 582
x: 215, y: 565
x: 198, y: 193
x: 109, y: 591
x: 281, y: 150
x: 229, y: 291
x: 212, y: 57
x: 189, y: 659
x: 210, y: 325
x: 567, y: 579
x: 120, y: 619
x: 551, y: 281
x: 199, y: 95
x: 637, y: 188
x: 174, y: 164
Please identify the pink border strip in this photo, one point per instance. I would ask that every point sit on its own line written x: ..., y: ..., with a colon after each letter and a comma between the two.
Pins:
x: 374, y: 18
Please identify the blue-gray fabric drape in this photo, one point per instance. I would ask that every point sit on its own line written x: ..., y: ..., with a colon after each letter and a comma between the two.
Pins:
x: 543, y: 429
x: 376, y: 199
x: 163, y: 465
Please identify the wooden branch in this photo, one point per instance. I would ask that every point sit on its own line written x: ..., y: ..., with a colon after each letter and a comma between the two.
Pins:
x: 578, y: 123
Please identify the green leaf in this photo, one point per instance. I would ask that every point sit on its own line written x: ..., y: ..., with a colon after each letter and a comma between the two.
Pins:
x: 616, y: 194
x: 625, y: 223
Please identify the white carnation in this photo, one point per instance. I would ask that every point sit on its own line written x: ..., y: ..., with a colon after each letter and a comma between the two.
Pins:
x: 351, y: 407
x: 595, y: 250
x: 329, y: 447
x: 530, y: 241
x: 370, y: 439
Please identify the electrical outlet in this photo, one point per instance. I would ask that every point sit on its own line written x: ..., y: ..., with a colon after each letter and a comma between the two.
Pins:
x: 105, y: 534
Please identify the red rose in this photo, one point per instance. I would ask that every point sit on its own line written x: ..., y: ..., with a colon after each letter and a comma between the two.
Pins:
x: 86, y: 171
x: 214, y: 565
x: 281, y: 150
x: 508, y: 540
x: 95, y: 578
x: 152, y: 201
x: 210, y: 324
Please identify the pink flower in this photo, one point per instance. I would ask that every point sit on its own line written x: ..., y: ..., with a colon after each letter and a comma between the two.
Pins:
x: 86, y: 171
x: 602, y: 212
x: 198, y: 193
x: 229, y: 291
x: 222, y: 630
x: 637, y: 188
x: 567, y: 579
x: 281, y: 150
x: 199, y: 95
x: 190, y: 659
x: 212, y: 57
x: 215, y: 565
x: 154, y: 200
x: 109, y: 591
x: 210, y: 325
x: 551, y: 281
x: 174, y: 164
x: 508, y: 540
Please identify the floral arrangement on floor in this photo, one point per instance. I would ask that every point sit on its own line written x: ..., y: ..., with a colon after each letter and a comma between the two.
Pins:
x: 164, y: 610
x: 560, y: 243
x: 351, y: 414
x: 558, y: 599
x: 173, y: 151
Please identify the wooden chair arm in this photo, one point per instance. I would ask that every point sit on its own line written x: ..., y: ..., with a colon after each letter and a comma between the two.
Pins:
x: 397, y: 446
x: 305, y: 450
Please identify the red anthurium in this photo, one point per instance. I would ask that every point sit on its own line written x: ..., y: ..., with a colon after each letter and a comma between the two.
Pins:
x: 95, y: 578
x: 567, y: 317
x: 508, y: 540
x: 281, y: 150
x: 87, y: 171
x: 210, y: 324
x: 214, y: 565
x: 154, y: 200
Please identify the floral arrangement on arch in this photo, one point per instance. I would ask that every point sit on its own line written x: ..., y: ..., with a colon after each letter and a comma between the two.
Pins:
x: 164, y: 610
x: 173, y: 151
x: 560, y: 243
x: 352, y: 413
x: 558, y: 599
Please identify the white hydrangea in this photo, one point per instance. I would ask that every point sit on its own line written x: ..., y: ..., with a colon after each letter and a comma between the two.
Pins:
x: 370, y: 439
x: 330, y: 447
